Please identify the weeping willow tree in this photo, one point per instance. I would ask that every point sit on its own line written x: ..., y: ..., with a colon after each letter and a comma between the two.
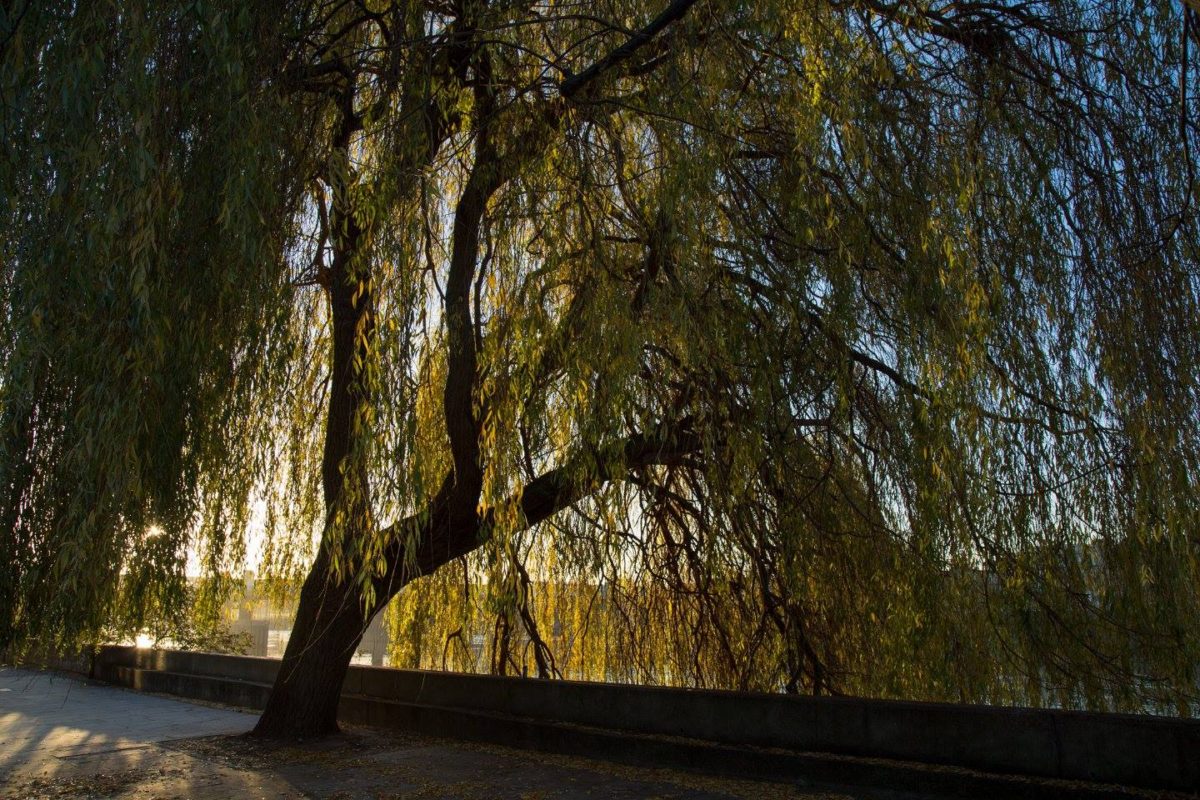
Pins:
x: 830, y: 346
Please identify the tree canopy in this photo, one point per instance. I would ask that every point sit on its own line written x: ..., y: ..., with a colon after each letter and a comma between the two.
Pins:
x: 843, y: 346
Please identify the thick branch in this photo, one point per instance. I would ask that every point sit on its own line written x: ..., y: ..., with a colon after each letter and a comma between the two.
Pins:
x: 573, y: 84
x: 428, y: 540
x: 556, y: 490
x: 462, y: 423
x: 352, y: 309
x: 329, y: 75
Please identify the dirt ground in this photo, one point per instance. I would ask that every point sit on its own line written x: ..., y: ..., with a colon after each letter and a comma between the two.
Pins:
x: 367, y: 764
x: 64, y: 737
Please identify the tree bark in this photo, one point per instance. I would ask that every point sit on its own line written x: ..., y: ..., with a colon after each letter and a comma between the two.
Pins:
x: 329, y: 625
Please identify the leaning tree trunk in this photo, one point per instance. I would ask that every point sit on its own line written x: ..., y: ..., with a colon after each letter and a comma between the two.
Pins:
x: 329, y: 625
x: 331, y: 619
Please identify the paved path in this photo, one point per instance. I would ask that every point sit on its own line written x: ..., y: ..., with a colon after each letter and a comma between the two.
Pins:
x: 64, y: 738
x: 47, y: 718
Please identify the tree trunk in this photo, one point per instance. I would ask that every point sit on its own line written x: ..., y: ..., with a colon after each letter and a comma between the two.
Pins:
x: 329, y: 625
x: 330, y: 620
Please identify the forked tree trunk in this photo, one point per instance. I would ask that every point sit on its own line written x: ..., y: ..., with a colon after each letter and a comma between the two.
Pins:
x: 330, y: 620
x: 328, y: 627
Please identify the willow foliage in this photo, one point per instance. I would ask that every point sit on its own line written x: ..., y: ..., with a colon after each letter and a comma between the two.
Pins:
x: 835, y: 346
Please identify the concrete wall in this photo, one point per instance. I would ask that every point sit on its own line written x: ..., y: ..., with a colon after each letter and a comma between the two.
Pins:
x: 1147, y: 751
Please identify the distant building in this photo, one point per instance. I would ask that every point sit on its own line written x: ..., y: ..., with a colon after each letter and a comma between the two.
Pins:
x: 259, y: 613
